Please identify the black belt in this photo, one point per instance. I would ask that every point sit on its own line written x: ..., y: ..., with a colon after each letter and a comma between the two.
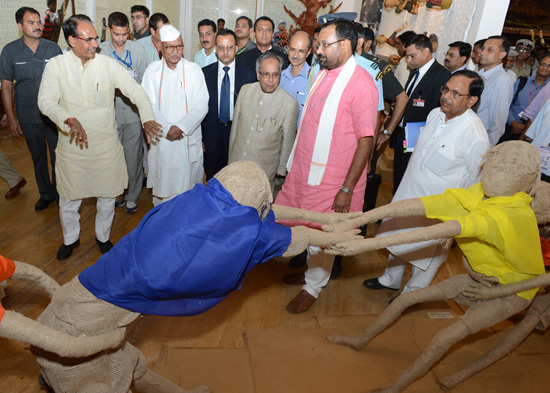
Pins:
x: 225, y: 124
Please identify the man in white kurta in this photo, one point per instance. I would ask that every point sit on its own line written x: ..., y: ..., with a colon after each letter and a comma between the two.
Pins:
x: 179, y: 98
x: 77, y: 94
x: 447, y: 155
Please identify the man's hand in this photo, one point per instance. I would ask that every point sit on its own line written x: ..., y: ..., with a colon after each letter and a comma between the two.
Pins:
x: 15, y: 129
x: 381, y: 139
x: 153, y: 130
x: 174, y: 134
x: 4, y: 120
x: 76, y: 131
x: 342, y: 202
x: 517, y: 127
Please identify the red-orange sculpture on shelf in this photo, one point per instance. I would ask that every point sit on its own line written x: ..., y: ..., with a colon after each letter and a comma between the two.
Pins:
x: 307, y: 21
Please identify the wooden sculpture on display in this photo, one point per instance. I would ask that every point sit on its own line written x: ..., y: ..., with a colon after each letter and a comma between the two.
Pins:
x: 495, y: 225
x: 307, y: 21
x: 185, y: 257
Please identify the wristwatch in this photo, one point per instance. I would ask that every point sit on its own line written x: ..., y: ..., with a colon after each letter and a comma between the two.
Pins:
x: 386, y: 132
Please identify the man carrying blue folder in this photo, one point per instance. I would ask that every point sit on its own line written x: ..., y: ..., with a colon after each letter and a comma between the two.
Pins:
x: 447, y: 154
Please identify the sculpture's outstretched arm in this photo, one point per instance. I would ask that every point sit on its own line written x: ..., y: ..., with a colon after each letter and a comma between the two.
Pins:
x: 292, y: 213
x: 478, y: 291
x: 18, y: 327
x: 438, y: 231
x: 404, y: 208
x: 24, y: 271
x: 302, y: 237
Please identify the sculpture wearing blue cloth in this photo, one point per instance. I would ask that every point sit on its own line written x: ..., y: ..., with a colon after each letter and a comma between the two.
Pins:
x: 185, y: 256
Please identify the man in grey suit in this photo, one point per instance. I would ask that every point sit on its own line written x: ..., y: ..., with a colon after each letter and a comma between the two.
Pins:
x: 132, y: 57
x: 264, y: 120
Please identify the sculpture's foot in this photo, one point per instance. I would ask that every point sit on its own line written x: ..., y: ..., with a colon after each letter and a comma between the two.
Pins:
x: 449, y: 382
x: 356, y: 343
x: 200, y: 389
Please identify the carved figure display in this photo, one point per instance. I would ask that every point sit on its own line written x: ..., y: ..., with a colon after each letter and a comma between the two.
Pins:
x: 185, y: 257
x: 494, y: 223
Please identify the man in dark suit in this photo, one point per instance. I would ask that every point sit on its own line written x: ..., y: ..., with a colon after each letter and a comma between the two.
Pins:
x: 224, y: 80
x: 423, y: 88
x: 263, y: 33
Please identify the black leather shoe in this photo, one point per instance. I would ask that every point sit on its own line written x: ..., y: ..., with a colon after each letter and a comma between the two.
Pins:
x: 336, y: 267
x: 373, y: 283
x: 299, y: 260
x: 65, y: 252
x: 42, y: 204
x: 104, y: 246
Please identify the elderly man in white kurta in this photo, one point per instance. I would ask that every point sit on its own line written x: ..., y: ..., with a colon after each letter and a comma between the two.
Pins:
x: 77, y: 94
x: 447, y: 155
x: 264, y: 121
x: 179, y: 98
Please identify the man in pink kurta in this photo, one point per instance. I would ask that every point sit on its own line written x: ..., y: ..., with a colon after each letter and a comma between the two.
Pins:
x: 342, y: 187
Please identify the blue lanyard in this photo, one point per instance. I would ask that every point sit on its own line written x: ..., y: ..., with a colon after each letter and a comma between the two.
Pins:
x: 127, y: 64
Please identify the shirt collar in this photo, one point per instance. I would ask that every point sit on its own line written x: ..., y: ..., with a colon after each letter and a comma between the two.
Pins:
x: 491, y: 72
x: 287, y: 72
x: 221, y: 65
x: 422, y: 70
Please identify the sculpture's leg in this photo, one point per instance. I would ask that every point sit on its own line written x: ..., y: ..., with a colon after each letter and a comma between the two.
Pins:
x: 479, y: 316
x: 507, y: 344
x: 390, y: 314
x: 151, y: 382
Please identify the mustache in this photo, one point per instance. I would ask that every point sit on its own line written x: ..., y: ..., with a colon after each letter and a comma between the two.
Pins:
x: 445, y: 101
x: 206, y: 42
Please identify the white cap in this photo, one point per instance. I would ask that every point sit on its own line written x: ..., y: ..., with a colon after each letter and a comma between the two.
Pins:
x: 169, y: 33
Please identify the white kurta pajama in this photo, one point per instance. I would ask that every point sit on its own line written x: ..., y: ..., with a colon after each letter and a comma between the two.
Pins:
x: 447, y: 155
x: 176, y: 166
x: 69, y: 89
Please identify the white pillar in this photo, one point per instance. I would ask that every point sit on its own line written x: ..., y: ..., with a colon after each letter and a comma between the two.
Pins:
x: 259, y: 9
x: 186, y: 27
x: 487, y: 20
x: 90, y: 11
x: 223, y: 12
x: 149, y: 5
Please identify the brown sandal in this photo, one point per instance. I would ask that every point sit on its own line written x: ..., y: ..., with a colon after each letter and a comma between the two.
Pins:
x: 301, y: 303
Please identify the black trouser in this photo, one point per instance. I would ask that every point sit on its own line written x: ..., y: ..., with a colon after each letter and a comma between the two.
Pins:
x: 400, y: 158
x: 41, y: 138
x: 216, y: 159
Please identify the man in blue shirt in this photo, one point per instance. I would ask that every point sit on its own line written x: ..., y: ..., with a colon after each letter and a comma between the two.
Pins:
x: 525, y: 89
x: 294, y: 77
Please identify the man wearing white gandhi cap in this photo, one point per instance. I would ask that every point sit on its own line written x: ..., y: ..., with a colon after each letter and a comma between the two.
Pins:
x: 179, y: 98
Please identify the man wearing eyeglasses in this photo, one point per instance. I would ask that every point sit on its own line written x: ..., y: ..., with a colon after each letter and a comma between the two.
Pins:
x: 264, y: 121
x: 77, y: 93
x: 294, y: 78
x: 447, y: 154
x: 524, y: 48
x: 224, y: 80
x: 132, y: 57
x: 24, y: 61
x: 179, y: 98
x: 327, y: 169
x: 140, y: 21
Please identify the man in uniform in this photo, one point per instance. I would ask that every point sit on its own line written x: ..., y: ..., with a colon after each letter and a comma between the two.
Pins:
x: 77, y: 93
x: 23, y: 61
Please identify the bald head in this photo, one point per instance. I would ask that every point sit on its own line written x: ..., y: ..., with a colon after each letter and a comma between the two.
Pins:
x: 299, y: 48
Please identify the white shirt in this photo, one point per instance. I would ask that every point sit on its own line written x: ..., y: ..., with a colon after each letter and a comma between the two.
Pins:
x: 203, y: 60
x: 495, y: 101
x: 446, y: 155
x: 221, y: 74
x: 539, y: 131
x: 421, y: 72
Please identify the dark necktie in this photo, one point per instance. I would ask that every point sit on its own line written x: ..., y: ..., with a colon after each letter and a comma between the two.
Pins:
x: 224, y: 97
x: 413, y: 81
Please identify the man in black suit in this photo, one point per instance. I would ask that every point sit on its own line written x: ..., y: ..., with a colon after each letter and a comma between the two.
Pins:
x: 263, y: 33
x: 423, y: 88
x: 224, y: 80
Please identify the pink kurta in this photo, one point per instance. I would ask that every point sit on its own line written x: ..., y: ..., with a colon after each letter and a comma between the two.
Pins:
x: 355, y: 118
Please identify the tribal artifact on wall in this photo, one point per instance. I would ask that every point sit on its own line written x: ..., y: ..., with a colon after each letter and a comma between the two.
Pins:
x: 307, y: 21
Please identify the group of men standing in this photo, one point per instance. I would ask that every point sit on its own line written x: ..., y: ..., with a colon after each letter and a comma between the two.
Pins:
x: 312, y: 129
